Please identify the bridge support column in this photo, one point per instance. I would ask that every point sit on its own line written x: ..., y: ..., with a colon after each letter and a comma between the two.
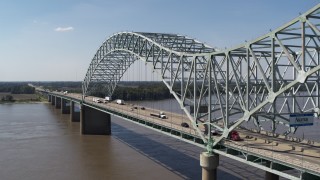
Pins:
x: 271, y: 176
x: 49, y: 98
x: 65, y: 106
x: 53, y: 100
x: 94, y: 122
x: 58, y: 102
x: 209, y: 164
x: 74, y: 115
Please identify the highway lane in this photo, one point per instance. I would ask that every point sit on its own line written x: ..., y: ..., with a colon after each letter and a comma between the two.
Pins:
x: 295, y: 153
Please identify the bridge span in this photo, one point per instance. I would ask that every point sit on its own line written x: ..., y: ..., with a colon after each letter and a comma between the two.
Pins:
x: 279, y: 155
x: 266, y: 80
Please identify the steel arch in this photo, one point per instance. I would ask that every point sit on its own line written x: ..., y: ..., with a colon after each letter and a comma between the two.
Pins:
x: 170, y: 55
x: 262, y: 80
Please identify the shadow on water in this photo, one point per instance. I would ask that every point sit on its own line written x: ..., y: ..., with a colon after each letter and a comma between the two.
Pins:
x: 176, y: 156
x: 172, y: 154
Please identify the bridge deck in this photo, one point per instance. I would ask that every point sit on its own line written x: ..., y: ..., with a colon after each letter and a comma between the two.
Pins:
x: 298, y: 155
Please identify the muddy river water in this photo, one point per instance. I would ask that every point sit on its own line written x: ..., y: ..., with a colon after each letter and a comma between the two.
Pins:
x: 38, y: 142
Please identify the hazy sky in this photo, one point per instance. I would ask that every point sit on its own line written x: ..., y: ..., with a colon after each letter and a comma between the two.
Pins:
x: 55, y: 40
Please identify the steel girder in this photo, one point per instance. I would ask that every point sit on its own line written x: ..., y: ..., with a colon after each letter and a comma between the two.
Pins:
x: 262, y: 80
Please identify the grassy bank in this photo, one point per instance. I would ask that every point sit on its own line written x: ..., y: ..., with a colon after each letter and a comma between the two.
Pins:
x: 7, y: 97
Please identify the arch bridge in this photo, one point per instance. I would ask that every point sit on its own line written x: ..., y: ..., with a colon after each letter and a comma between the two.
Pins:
x: 261, y: 81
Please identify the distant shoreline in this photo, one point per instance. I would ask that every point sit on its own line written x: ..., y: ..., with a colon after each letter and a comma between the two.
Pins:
x: 9, y: 98
x: 23, y: 102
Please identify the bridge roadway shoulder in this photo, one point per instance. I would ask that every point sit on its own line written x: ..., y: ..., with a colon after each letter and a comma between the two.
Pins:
x: 283, y: 144
x: 268, y: 150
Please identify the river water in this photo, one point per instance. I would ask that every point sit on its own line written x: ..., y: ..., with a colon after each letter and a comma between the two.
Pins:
x: 38, y: 142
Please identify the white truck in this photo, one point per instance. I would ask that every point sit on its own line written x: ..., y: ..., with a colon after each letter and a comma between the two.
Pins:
x: 107, y: 99
x: 120, y: 101
x: 161, y: 115
x: 97, y: 100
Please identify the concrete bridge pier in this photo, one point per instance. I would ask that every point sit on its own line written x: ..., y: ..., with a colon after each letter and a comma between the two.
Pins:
x: 74, y: 115
x: 65, y: 106
x: 49, y: 98
x: 58, y: 102
x: 209, y: 164
x: 271, y: 176
x: 94, y: 122
x: 53, y: 100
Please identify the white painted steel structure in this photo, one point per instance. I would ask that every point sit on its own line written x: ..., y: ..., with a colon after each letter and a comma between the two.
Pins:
x: 277, y: 159
x: 266, y: 79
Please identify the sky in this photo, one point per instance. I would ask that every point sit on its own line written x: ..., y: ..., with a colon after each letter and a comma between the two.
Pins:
x: 42, y: 40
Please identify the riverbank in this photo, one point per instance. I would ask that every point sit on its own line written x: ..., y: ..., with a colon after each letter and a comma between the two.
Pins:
x: 9, y: 98
x: 23, y: 102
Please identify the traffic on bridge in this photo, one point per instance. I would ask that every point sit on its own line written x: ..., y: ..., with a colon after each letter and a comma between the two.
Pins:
x: 273, y: 80
x: 281, y: 150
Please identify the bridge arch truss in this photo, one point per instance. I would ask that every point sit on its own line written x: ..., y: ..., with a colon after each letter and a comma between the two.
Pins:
x: 263, y: 80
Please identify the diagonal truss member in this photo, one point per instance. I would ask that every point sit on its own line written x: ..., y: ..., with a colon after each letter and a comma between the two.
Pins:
x: 263, y: 80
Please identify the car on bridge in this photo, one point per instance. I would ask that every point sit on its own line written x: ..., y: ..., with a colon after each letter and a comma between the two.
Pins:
x: 97, y: 100
x: 107, y: 99
x: 234, y: 136
x: 120, y: 101
x: 216, y: 132
x: 184, y: 124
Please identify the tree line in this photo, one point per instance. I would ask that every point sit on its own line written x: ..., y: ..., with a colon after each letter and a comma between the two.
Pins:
x: 70, y: 86
x: 126, y: 90
x: 16, y: 88
x: 136, y: 91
